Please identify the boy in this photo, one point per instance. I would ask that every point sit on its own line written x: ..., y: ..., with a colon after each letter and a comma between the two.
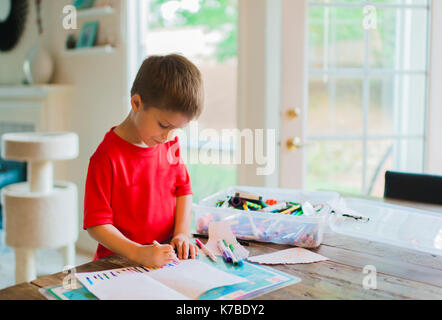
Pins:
x: 137, y: 192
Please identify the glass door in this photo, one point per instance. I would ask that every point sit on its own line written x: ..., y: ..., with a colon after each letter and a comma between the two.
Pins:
x: 367, y: 92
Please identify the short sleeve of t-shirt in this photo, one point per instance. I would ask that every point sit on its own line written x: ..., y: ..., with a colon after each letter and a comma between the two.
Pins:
x: 183, y: 185
x: 97, y: 203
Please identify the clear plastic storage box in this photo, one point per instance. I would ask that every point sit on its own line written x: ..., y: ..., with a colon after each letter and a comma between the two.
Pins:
x: 303, y: 231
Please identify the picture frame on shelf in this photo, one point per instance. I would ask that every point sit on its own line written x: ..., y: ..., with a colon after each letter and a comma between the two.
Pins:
x: 88, y: 35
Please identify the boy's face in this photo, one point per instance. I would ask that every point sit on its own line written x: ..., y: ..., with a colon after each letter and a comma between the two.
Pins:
x: 154, y: 125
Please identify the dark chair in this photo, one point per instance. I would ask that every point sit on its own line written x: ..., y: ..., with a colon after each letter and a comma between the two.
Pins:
x: 413, y: 187
x: 10, y: 172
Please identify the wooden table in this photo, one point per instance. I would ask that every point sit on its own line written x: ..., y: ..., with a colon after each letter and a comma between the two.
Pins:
x: 401, y: 273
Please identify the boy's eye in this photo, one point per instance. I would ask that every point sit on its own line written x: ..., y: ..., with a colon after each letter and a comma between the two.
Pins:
x: 163, y: 126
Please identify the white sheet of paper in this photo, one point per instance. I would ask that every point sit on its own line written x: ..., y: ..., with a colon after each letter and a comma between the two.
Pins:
x: 288, y: 256
x: 192, y: 278
x: 136, y: 286
x: 221, y: 230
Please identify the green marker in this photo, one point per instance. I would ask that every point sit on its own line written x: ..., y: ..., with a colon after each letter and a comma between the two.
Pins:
x: 232, y: 248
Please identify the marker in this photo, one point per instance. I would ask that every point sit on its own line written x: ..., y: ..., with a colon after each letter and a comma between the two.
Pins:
x: 277, y: 206
x: 205, y: 250
x: 89, y: 280
x: 227, y: 258
x: 232, y: 248
x: 289, y: 210
x: 229, y: 252
x: 156, y: 244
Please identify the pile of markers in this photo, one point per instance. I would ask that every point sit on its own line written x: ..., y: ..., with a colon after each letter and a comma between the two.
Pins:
x: 228, y: 251
x: 250, y: 202
x: 267, y: 228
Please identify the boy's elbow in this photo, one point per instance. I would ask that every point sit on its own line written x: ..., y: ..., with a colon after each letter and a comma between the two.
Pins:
x: 93, y: 231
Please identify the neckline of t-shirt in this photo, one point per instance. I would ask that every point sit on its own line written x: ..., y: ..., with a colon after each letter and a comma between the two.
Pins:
x: 131, y: 147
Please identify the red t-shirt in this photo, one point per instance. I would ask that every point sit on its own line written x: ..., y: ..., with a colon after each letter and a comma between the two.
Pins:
x: 134, y: 189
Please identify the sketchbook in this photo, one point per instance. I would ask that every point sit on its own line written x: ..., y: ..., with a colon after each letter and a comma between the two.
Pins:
x: 260, y: 280
x: 186, y: 280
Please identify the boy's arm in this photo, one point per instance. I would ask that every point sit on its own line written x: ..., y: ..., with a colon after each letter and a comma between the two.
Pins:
x: 181, y: 232
x: 149, y: 255
x: 183, y: 215
x: 114, y: 240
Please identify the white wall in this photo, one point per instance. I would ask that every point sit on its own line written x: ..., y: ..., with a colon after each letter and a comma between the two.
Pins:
x: 11, y: 62
x: 101, y: 96
x: 101, y: 99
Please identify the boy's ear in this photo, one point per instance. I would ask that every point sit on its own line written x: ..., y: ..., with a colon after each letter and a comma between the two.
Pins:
x: 136, y: 102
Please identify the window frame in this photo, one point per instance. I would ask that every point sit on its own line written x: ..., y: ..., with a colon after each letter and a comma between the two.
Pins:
x: 366, y: 74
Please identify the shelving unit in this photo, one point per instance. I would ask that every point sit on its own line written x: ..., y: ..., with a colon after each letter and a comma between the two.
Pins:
x: 95, y: 12
x: 89, y: 51
x: 92, y: 14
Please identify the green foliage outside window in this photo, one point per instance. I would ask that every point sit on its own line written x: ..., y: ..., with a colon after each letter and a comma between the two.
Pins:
x: 213, y: 15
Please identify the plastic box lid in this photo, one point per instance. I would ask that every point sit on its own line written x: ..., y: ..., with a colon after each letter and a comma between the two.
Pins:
x: 393, y: 224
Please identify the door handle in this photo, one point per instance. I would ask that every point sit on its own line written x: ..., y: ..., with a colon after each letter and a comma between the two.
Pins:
x: 293, y: 113
x: 293, y: 144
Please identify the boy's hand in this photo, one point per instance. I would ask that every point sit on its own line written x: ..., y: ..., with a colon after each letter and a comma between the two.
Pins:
x: 183, y: 246
x: 155, y: 255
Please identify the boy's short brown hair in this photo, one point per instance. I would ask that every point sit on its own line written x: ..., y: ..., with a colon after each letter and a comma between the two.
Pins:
x: 171, y: 83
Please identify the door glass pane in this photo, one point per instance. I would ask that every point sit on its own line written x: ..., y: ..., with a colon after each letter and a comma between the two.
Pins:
x: 206, y: 33
x: 335, y: 106
x: 379, y: 160
x: 336, y: 37
x: 399, y: 41
x: 335, y: 165
x: 397, y: 105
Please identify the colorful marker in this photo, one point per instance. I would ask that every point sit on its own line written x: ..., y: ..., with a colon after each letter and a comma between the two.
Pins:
x: 227, y: 258
x: 230, y: 253
x: 155, y: 243
x: 232, y: 248
x: 205, y: 250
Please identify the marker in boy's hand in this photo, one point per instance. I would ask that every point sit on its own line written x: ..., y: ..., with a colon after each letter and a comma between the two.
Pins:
x: 166, y: 250
x: 184, y: 247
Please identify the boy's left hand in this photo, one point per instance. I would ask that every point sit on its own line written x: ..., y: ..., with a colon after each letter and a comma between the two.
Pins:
x: 183, y: 246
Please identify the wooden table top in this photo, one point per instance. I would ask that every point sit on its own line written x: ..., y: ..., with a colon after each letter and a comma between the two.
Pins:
x: 401, y: 273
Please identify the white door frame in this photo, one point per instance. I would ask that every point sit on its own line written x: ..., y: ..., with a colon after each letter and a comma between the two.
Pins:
x: 271, y: 80
x: 294, y: 92
x: 434, y: 116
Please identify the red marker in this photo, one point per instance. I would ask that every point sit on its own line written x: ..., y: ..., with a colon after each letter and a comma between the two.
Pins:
x: 205, y: 250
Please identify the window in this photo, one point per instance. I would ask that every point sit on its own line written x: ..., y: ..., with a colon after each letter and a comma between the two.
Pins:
x: 204, y: 31
x: 367, y: 96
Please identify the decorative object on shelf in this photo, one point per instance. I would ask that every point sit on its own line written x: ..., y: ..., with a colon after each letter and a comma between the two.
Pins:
x: 38, y: 66
x: 71, y: 42
x: 83, y: 4
x: 88, y: 35
x: 13, y: 14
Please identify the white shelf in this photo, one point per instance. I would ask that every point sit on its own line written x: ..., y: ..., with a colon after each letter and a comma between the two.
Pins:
x: 25, y: 92
x: 95, y: 12
x: 90, y: 51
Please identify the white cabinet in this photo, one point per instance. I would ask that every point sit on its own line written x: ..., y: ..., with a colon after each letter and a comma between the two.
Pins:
x: 44, y: 107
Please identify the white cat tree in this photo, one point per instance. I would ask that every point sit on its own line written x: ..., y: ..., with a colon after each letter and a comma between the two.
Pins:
x: 39, y: 213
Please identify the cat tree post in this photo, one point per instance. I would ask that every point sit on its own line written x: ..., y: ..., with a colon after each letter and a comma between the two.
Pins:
x: 40, y: 213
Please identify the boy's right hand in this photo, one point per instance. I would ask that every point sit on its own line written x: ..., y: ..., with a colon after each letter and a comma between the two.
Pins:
x: 155, y: 255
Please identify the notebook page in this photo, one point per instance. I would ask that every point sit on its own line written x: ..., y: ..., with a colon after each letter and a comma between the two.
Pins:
x: 136, y: 286
x: 192, y: 278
